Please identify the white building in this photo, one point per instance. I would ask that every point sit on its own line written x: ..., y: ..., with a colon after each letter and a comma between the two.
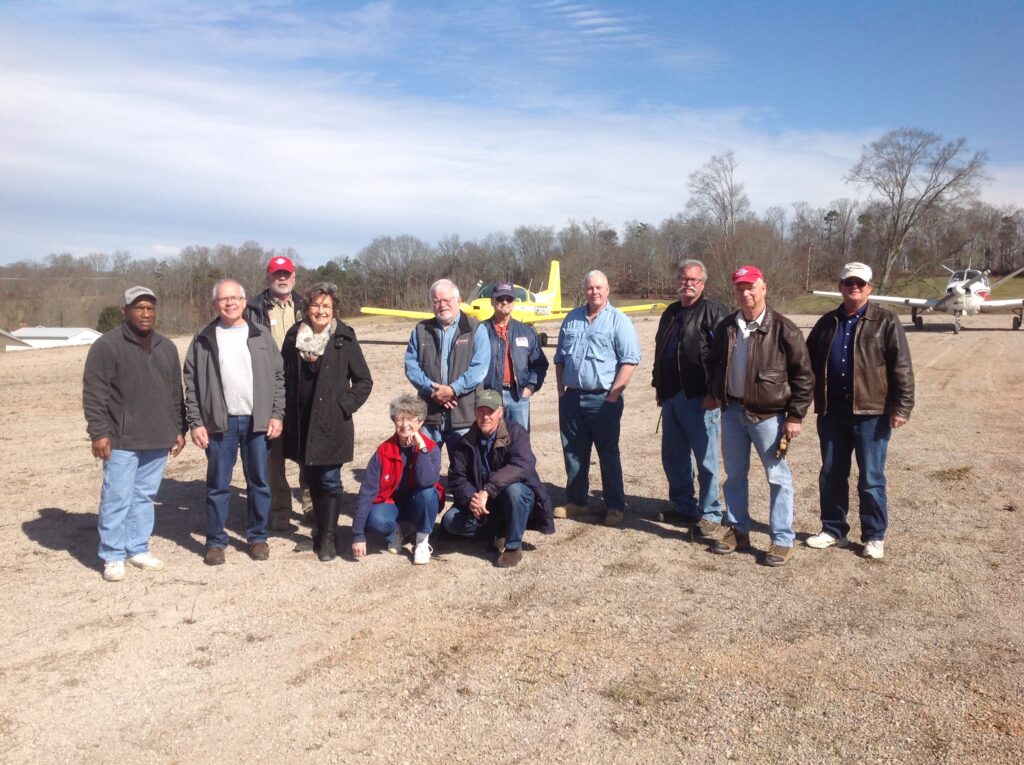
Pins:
x: 52, y: 337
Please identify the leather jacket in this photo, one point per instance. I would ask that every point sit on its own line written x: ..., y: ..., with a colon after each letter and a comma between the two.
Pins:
x: 883, y: 375
x: 779, y: 377
x: 694, y: 345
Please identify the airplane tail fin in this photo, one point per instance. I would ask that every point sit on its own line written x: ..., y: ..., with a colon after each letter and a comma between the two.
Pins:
x: 553, y: 292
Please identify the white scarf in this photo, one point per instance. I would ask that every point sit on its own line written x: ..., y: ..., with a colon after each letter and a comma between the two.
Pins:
x: 311, y: 345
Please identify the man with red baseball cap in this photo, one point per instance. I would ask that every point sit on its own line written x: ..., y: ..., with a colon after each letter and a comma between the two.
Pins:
x: 761, y: 377
x: 279, y: 307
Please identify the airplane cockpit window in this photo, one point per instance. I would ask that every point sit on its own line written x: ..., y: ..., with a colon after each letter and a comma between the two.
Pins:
x: 958, y: 276
x: 973, y: 274
x: 521, y: 295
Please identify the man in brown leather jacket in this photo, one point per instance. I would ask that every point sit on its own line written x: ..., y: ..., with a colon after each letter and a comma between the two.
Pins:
x: 761, y: 376
x: 864, y: 389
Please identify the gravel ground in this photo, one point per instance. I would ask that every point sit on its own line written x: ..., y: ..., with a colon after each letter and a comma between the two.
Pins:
x: 628, y: 645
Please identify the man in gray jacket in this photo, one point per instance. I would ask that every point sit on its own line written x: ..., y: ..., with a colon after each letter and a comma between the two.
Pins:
x: 234, y: 399
x: 131, y: 394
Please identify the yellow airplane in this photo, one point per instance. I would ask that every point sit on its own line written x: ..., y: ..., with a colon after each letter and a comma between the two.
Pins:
x: 529, y: 308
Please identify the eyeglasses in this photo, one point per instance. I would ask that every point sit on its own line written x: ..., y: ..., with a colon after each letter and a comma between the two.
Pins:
x: 443, y: 301
x: 689, y: 280
x: 230, y: 299
x: 851, y: 282
x: 400, y: 420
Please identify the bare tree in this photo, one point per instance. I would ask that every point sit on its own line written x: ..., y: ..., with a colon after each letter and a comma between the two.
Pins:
x: 715, y: 194
x: 913, y: 170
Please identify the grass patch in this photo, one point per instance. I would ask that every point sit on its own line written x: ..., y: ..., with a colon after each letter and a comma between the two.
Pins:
x: 961, y: 473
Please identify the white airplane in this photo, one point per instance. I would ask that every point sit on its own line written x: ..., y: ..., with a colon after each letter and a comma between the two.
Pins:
x: 967, y: 294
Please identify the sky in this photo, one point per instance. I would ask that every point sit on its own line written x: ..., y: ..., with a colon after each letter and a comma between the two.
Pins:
x: 150, y: 126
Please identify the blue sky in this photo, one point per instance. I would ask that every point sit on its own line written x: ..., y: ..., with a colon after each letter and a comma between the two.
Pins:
x: 151, y: 126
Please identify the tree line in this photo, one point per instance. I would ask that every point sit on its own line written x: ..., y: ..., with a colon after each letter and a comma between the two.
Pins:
x: 922, y: 210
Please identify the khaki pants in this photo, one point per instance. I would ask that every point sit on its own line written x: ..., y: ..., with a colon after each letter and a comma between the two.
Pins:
x: 280, y: 491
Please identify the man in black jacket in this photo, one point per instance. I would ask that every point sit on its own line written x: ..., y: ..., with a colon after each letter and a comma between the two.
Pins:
x: 494, y: 483
x: 689, y: 415
x: 864, y: 388
x: 278, y: 308
x: 134, y: 410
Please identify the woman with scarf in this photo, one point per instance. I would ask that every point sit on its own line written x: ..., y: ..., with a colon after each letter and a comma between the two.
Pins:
x: 326, y: 381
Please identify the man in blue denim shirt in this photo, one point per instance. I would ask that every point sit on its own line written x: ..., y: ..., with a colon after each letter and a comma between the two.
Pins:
x: 598, y: 351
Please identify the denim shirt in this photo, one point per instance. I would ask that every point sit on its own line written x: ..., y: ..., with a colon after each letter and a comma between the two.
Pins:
x: 593, y: 351
x: 468, y: 380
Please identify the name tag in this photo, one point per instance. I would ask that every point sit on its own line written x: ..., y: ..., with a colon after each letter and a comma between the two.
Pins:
x: 522, y: 342
x: 273, y: 322
x: 461, y: 340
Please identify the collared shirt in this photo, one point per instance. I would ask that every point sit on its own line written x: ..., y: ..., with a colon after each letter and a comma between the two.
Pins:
x: 281, y: 316
x: 485, y: 445
x: 593, y: 351
x: 737, y: 383
x: 501, y: 330
x: 839, y: 372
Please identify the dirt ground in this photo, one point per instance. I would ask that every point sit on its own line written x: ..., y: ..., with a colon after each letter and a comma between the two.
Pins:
x: 627, y: 645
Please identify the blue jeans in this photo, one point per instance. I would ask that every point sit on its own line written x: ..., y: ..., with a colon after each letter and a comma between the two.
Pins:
x: 688, y: 428
x: 587, y: 420
x: 322, y: 479
x: 130, y: 481
x: 516, y: 411
x: 419, y: 508
x: 445, y: 434
x: 221, y: 455
x: 738, y: 434
x: 841, y: 433
x: 507, y: 516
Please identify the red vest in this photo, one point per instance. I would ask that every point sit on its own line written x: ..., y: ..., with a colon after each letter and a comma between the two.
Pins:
x: 390, y: 457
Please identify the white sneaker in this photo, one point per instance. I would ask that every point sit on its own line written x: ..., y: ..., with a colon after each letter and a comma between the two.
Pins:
x: 421, y: 553
x: 875, y: 549
x: 113, y: 570
x: 823, y: 539
x: 147, y: 561
x: 395, y: 541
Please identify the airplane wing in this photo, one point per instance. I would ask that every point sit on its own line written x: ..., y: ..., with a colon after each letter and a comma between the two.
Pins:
x: 643, y: 307
x: 397, y: 312
x: 917, y: 302
x: 998, y: 305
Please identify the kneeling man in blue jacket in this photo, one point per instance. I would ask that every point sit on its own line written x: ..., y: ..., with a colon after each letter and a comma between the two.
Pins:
x: 494, y: 483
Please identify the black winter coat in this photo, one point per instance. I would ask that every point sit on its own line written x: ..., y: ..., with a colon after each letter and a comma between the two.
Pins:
x: 343, y: 384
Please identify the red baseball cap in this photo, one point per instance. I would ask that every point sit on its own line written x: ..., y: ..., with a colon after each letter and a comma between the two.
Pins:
x: 280, y: 263
x: 748, y: 274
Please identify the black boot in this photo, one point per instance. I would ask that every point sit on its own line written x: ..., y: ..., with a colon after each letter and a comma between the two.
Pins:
x: 328, y: 520
x: 316, y: 523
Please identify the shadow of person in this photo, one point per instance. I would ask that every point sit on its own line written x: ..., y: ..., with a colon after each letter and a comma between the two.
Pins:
x: 55, y: 528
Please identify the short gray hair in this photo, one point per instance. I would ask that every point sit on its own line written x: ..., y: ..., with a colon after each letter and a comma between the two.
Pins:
x: 409, y: 404
x: 594, y: 273
x: 226, y: 280
x: 442, y: 283
x: 691, y: 263
x: 320, y: 289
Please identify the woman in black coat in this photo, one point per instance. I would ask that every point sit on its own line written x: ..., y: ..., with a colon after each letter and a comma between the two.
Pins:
x: 326, y: 380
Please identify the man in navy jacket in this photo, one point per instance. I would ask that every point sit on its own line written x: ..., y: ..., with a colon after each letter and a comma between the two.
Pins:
x: 494, y: 483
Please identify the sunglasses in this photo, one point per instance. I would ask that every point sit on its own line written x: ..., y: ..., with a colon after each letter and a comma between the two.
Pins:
x: 504, y: 299
x: 854, y: 283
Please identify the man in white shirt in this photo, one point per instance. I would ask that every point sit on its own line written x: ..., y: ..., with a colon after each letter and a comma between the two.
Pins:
x: 234, y: 400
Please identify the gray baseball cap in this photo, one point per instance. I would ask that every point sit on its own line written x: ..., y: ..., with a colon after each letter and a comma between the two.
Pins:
x: 134, y: 293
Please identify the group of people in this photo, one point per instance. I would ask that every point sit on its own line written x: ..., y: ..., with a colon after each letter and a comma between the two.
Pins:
x: 279, y: 378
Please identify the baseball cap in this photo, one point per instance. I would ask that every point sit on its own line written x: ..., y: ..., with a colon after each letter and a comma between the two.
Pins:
x: 134, y: 293
x: 280, y: 263
x: 489, y: 398
x: 856, y: 271
x: 747, y: 274
x: 503, y: 289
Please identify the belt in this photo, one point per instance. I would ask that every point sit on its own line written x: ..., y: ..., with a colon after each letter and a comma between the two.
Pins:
x: 734, y: 400
x: 508, y: 387
x: 589, y: 390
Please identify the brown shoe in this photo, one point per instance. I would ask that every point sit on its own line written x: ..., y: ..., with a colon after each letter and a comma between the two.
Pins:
x: 509, y: 558
x: 570, y: 510
x: 259, y: 551
x: 709, y: 529
x: 731, y: 541
x: 778, y: 555
x: 214, y: 556
x: 613, y: 517
x: 499, y: 544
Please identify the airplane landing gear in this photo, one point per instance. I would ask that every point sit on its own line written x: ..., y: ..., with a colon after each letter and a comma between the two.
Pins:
x: 542, y: 338
x: 956, y: 323
x: 917, y: 320
x: 1017, y: 318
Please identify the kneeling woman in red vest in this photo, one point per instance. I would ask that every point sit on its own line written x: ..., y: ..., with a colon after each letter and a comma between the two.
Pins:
x: 326, y: 380
x: 400, y: 487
